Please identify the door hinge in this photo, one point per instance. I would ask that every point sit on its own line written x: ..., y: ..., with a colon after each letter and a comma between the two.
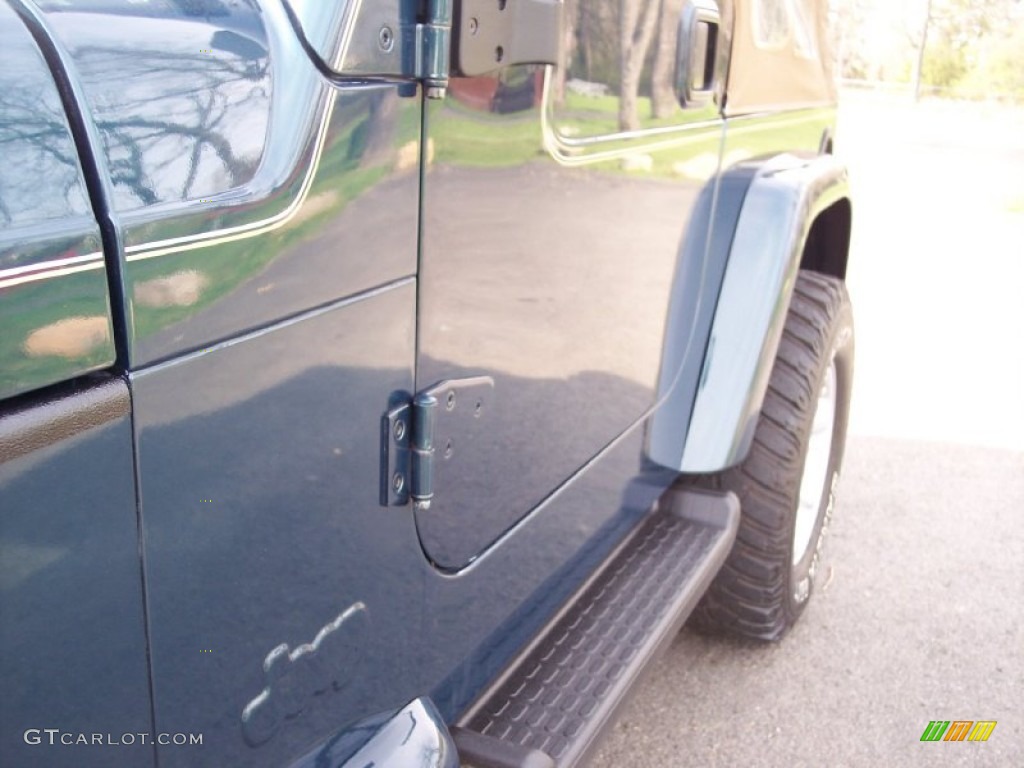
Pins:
x: 493, y: 34
x: 384, y: 42
x: 432, y: 429
x: 431, y: 48
x: 449, y: 38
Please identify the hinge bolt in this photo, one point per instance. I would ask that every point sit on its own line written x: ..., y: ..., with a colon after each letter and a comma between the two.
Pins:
x: 474, y: 25
x: 398, y: 482
x: 399, y: 430
x: 386, y: 39
x: 450, y: 404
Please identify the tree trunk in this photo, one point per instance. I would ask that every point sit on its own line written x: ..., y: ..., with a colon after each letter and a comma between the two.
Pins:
x: 664, y: 100
x: 637, y: 19
x: 571, y: 15
x: 919, y: 61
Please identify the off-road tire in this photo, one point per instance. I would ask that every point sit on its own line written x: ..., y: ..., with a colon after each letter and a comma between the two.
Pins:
x: 760, y: 593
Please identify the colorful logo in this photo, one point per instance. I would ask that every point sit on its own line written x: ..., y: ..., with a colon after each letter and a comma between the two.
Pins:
x: 958, y: 730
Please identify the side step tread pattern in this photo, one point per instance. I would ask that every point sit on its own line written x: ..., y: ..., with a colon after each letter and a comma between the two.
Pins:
x: 563, y: 690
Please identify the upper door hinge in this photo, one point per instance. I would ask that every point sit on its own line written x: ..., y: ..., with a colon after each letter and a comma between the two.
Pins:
x: 389, y: 42
x: 420, y: 437
x: 448, y: 38
x: 431, y: 48
x: 493, y: 34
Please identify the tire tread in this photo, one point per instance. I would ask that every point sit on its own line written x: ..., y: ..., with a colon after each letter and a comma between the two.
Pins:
x: 749, y: 596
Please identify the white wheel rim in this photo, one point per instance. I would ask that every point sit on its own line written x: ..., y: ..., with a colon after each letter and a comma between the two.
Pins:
x: 819, y: 450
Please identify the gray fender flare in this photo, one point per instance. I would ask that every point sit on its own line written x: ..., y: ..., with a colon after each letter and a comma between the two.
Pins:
x: 761, y: 220
x: 785, y: 197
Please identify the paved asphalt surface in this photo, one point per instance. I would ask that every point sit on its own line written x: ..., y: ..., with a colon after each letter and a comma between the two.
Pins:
x: 920, y: 615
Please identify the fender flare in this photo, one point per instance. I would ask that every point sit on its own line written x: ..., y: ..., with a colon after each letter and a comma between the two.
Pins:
x: 785, y: 197
x: 711, y: 388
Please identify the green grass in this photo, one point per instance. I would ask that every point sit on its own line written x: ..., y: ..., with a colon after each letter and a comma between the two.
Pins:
x: 466, y: 137
x: 779, y: 133
x: 32, y: 306
x: 226, y: 266
x: 597, y: 115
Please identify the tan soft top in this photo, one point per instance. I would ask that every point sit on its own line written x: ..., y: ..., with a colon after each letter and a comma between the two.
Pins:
x: 780, y: 56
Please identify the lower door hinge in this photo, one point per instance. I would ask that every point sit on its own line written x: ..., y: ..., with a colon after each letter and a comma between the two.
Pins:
x: 418, y: 436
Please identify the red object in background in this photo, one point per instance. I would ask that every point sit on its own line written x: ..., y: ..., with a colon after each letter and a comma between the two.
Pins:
x: 474, y: 92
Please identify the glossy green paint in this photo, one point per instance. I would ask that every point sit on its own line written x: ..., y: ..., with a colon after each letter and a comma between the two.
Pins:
x: 554, y: 223
x: 244, y: 185
x: 55, y: 320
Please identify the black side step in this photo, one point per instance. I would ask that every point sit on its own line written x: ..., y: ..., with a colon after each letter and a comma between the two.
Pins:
x: 551, y: 705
